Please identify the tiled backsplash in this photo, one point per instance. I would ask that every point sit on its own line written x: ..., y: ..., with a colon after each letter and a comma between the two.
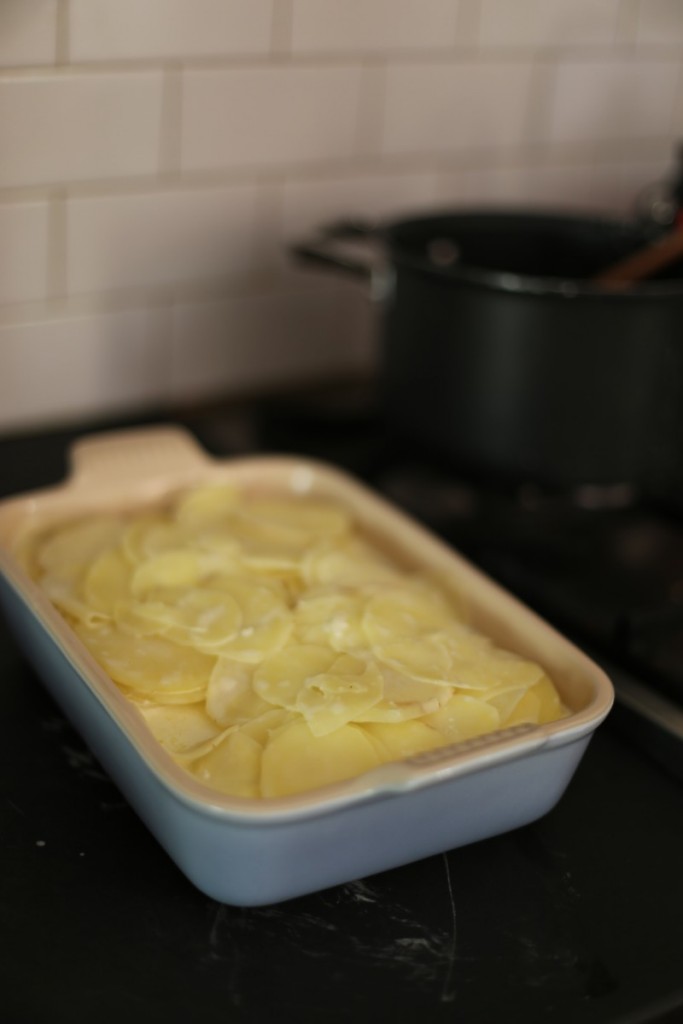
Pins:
x: 157, y: 157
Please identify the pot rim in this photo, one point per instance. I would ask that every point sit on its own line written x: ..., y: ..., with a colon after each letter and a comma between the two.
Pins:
x: 519, y: 283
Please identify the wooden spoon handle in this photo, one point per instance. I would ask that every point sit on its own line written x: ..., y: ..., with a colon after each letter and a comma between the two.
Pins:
x: 644, y: 263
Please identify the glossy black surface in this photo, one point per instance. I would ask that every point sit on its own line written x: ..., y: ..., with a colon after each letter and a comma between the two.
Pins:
x: 576, y: 918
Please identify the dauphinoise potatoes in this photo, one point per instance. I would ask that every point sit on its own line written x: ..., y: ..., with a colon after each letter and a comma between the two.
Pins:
x: 272, y: 647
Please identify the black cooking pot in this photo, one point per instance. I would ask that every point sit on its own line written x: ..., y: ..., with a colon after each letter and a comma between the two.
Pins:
x: 498, y: 350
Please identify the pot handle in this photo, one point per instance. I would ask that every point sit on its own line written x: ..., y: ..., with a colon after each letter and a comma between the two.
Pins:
x: 331, y: 249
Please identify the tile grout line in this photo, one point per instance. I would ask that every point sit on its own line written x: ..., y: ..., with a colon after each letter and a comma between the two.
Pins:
x: 547, y: 150
x: 677, y: 107
x: 62, y: 34
x: 159, y: 328
x: 269, y: 212
x: 57, y: 277
x: 540, y: 101
x: 100, y: 303
x: 626, y: 29
x: 170, y: 126
x: 281, y: 29
x: 468, y: 23
x: 371, y: 113
x: 661, y: 52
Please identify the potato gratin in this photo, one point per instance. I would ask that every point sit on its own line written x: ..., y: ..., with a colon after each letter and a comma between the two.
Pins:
x: 272, y: 647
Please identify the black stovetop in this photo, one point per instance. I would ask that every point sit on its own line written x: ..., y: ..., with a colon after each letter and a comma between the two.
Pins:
x: 576, y: 918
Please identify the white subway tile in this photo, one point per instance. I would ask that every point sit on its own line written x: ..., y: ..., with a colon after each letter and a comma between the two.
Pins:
x: 250, y: 342
x: 57, y: 128
x: 558, y: 187
x: 128, y: 29
x: 240, y: 117
x: 619, y: 186
x: 28, y: 32
x: 548, y: 22
x: 359, y: 26
x: 89, y: 365
x: 23, y: 251
x: 136, y: 241
x: 371, y: 108
x: 455, y: 107
x: 660, y: 21
x: 309, y: 205
x: 613, y: 100
x: 603, y: 188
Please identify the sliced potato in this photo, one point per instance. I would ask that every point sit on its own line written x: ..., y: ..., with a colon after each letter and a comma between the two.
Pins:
x: 402, y: 688
x: 64, y: 590
x: 295, y: 760
x: 151, y: 666
x: 550, y: 707
x: 107, y: 582
x: 463, y: 718
x: 230, y: 698
x: 332, y: 618
x: 252, y: 533
x: 206, y: 506
x: 78, y: 544
x: 350, y: 563
x: 268, y: 724
x: 280, y: 678
x: 402, y: 612
x: 274, y: 648
x: 420, y: 658
x: 260, y: 638
x: 495, y: 673
x: 203, y: 618
x: 260, y: 598
x: 233, y: 766
x: 308, y: 519
x: 394, y: 742
x: 526, y: 709
x: 178, y: 567
x: 506, y: 704
x: 150, y: 535
x: 180, y: 728
x: 333, y: 698
x: 404, y: 698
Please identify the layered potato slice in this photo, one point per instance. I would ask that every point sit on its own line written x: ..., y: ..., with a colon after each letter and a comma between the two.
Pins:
x: 328, y: 689
x: 294, y: 757
x: 272, y: 647
x: 150, y: 667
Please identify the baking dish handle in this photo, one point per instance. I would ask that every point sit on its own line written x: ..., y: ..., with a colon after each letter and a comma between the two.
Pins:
x: 107, y: 461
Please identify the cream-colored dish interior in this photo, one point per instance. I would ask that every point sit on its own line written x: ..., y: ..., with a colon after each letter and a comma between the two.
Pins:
x: 319, y: 661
